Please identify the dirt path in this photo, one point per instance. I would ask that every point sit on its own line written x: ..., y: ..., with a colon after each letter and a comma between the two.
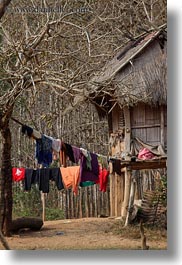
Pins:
x: 86, y: 233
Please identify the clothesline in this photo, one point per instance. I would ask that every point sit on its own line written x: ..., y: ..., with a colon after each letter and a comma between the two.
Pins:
x: 91, y: 168
x: 64, y: 178
x: 37, y: 135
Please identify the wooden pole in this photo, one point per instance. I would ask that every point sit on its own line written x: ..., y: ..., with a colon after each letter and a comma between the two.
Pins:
x: 131, y: 199
x: 127, y: 192
x: 43, y: 205
x: 127, y: 141
x: 112, y: 195
x: 162, y: 126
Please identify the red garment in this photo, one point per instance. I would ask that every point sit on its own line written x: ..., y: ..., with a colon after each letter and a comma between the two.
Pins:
x: 18, y: 174
x: 103, y: 178
x: 145, y: 154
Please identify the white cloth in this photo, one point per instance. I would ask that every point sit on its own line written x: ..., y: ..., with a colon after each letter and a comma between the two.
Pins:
x: 56, y: 145
x: 36, y: 134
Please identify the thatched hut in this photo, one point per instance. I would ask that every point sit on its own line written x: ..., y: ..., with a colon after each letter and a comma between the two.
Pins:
x: 132, y: 91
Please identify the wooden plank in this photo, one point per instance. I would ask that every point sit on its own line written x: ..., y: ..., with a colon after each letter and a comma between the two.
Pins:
x: 162, y: 126
x: 127, y: 139
x: 131, y: 200
x: 118, y: 195
x: 145, y: 126
x: 122, y: 186
x: 112, y: 196
x: 115, y: 118
x: 146, y: 164
x: 86, y: 202
x: 95, y: 201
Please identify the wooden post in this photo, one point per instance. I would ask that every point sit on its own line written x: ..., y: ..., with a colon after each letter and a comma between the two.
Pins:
x: 112, y: 195
x: 43, y: 205
x: 122, y: 191
x: 162, y: 125
x: 118, y: 194
x: 131, y: 199
x: 127, y: 141
x: 126, y: 192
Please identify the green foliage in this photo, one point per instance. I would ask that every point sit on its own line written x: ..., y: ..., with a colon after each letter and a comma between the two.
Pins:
x: 163, y: 190
x: 54, y: 214
x: 29, y: 204
x: 26, y: 203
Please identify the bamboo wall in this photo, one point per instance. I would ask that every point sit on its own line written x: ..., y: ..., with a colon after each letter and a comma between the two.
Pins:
x: 150, y: 125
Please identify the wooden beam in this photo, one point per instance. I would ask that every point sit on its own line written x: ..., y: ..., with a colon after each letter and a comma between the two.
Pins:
x: 112, y: 195
x: 127, y: 141
x: 162, y: 125
x: 127, y: 138
x: 145, y: 164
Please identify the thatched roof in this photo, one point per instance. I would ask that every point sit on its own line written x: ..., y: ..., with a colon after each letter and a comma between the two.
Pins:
x: 136, y: 74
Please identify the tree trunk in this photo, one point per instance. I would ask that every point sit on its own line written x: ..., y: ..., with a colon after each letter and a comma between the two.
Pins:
x: 3, y: 6
x: 27, y: 222
x: 6, y: 181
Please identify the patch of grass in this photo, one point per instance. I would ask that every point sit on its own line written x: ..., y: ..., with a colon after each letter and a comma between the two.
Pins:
x: 133, y: 231
x: 54, y: 214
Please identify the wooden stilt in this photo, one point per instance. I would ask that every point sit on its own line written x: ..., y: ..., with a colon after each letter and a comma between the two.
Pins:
x: 127, y: 192
x: 131, y: 199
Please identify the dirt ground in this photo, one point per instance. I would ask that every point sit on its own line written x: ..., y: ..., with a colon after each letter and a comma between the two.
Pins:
x: 86, y: 233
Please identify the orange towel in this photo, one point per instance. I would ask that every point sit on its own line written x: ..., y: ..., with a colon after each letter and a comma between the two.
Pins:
x: 71, y: 177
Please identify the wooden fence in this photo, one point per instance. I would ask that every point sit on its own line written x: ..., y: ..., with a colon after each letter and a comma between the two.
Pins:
x: 89, y: 202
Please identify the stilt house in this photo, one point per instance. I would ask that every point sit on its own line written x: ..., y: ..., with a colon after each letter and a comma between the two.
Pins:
x: 132, y: 91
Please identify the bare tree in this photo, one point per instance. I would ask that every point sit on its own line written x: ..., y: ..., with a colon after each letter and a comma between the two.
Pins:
x: 3, y: 6
x: 48, y: 46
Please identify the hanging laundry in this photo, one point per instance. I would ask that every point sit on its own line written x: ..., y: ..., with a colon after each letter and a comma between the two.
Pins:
x: 31, y: 177
x: 27, y: 130
x: 76, y: 154
x: 63, y: 156
x: 42, y: 178
x: 71, y: 177
x: 69, y: 152
x: 65, y: 153
x: 116, y: 165
x: 87, y: 174
x: 103, y: 161
x: 44, y: 150
x: 36, y: 134
x: 145, y: 154
x: 103, y: 178
x: 87, y: 183
x: 88, y: 158
x: 56, y: 145
x: 55, y: 175
x: 18, y: 174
